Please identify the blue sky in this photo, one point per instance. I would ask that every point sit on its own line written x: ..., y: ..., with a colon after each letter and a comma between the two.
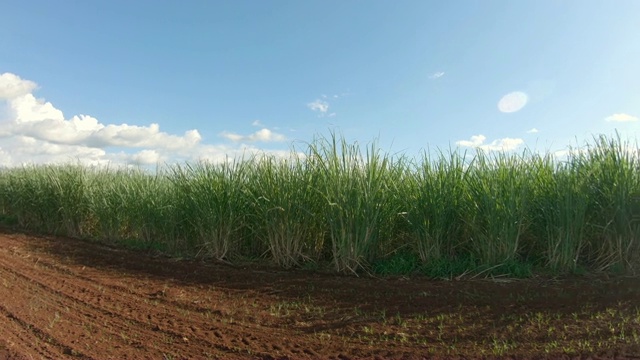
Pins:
x: 147, y: 81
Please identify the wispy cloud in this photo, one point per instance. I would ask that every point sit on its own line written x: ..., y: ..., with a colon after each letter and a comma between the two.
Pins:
x: 621, y: 118
x: 262, y: 135
x: 322, y: 104
x: 533, y: 131
x: 334, y: 96
x: 504, y: 144
x: 436, y: 75
x: 257, y: 123
x: 35, y: 131
x: 319, y: 105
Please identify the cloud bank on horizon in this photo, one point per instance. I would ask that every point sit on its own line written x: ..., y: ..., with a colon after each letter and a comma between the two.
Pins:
x: 34, y: 131
x: 478, y: 142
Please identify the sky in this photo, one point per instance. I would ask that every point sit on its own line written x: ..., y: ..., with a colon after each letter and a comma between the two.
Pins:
x: 151, y: 82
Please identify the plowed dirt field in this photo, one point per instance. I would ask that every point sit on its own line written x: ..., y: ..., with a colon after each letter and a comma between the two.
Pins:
x: 68, y: 299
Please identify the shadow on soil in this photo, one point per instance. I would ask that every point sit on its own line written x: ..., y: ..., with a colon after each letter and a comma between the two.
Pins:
x: 356, y: 301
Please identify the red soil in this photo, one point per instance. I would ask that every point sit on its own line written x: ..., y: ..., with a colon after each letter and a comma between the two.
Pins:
x: 67, y: 299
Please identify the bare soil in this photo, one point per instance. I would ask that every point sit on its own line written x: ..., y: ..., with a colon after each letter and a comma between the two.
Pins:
x: 68, y: 299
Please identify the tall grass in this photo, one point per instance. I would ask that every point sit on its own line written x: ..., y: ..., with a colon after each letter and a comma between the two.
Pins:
x: 357, y: 190
x: 212, y: 203
x: 434, y: 197
x: 498, y: 188
x: 355, y: 207
x: 287, y: 210
x: 613, y: 172
x: 561, y: 215
x: 32, y: 191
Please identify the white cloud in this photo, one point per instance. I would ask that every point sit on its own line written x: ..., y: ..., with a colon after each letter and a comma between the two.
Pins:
x: 533, y: 131
x: 147, y: 157
x: 257, y: 123
x: 505, y: 144
x: 18, y: 150
x: 262, y: 135
x: 35, y: 131
x: 319, y: 105
x: 478, y: 141
x: 5, y: 158
x: 222, y: 153
x: 41, y: 120
x: 11, y: 86
x: 621, y: 118
x: 436, y: 75
x: 27, y: 108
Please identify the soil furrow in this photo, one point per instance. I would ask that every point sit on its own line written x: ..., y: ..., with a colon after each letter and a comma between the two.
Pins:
x: 124, y: 293
x: 65, y: 299
x: 49, y: 307
x: 32, y: 337
x: 22, y: 341
x: 120, y: 326
x: 122, y: 312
